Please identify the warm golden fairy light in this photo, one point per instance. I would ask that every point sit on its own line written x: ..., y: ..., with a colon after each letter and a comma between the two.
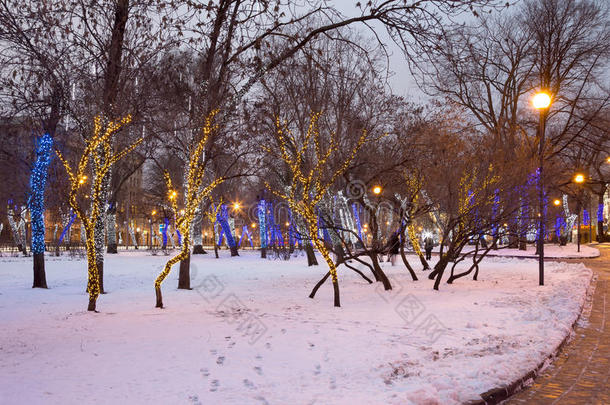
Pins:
x: 376, y: 190
x: 194, y: 194
x: 236, y: 206
x: 287, y: 223
x: 253, y: 225
x: 310, y: 184
x: 541, y: 100
x: 154, y: 212
x: 99, y: 155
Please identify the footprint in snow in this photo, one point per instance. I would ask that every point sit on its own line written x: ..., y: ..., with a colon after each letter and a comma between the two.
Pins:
x: 258, y: 370
x: 214, y: 386
x: 220, y: 360
x: 258, y: 357
x: 318, y: 370
x: 205, y: 372
x: 262, y: 399
x: 194, y: 400
x: 213, y: 352
x: 333, y: 383
x: 268, y: 345
x: 248, y: 383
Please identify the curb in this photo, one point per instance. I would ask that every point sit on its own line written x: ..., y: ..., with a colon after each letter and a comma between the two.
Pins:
x: 499, y: 394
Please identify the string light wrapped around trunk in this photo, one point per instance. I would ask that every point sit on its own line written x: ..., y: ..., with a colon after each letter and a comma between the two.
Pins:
x: 98, y: 154
x: 195, y: 193
x: 310, y: 183
x: 38, y: 181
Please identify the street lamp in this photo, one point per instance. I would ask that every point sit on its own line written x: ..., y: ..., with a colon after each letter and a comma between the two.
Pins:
x: 579, y: 178
x: 377, y: 190
x: 541, y: 101
x: 556, y: 202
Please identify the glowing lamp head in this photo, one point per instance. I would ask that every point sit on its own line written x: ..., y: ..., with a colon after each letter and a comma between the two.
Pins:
x: 181, y: 212
x: 172, y: 195
x: 608, y: 159
x: 557, y: 203
x: 377, y: 190
x: 541, y: 100
x: 236, y: 206
x: 253, y: 225
x: 154, y: 212
x: 579, y: 178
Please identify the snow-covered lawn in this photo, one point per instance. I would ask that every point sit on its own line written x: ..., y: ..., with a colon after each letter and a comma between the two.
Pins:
x: 249, y: 334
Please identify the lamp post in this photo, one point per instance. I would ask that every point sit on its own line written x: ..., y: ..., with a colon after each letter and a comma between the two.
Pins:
x: 579, y: 179
x: 541, y: 102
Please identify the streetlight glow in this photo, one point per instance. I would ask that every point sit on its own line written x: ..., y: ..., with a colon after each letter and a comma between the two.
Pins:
x: 541, y: 100
x: 377, y: 190
x: 579, y: 178
x: 236, y: 205
x: 557, y: 202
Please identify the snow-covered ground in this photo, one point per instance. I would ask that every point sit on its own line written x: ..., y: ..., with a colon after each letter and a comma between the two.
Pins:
x: 248, y: 334
x: 551, y: 251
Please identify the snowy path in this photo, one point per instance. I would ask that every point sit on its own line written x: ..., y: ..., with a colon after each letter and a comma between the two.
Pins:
x: 580, y: 374
x: 248, y: 333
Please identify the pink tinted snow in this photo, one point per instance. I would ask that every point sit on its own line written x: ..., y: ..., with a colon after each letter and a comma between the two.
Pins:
x: 247, y: 333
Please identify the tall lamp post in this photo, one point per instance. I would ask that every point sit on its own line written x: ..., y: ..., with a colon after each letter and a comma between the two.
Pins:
x: 541, y: 102
x: 579, y: 179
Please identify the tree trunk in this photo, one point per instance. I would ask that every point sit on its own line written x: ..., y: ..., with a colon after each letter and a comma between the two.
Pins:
x: 423, y: 261
x: 196, y: 234
x: 40, y: 279
x: 264, y: 253
x: 234, y: 251
x: 406, y: 262
x: 159, y: 297
x: 184, y: 277
x: 380, y: 275
x: 336, y: 293
x: 198, y: 250
x: 439, y: 272
x: 100, y: 276
x: 112, y: 247
x: 311, y: 255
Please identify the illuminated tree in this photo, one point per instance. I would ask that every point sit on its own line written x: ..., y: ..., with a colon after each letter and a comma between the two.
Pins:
x: 195, y: 193
x: 309, y: 164
x: 91, y: 158
x: 38, y: 180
